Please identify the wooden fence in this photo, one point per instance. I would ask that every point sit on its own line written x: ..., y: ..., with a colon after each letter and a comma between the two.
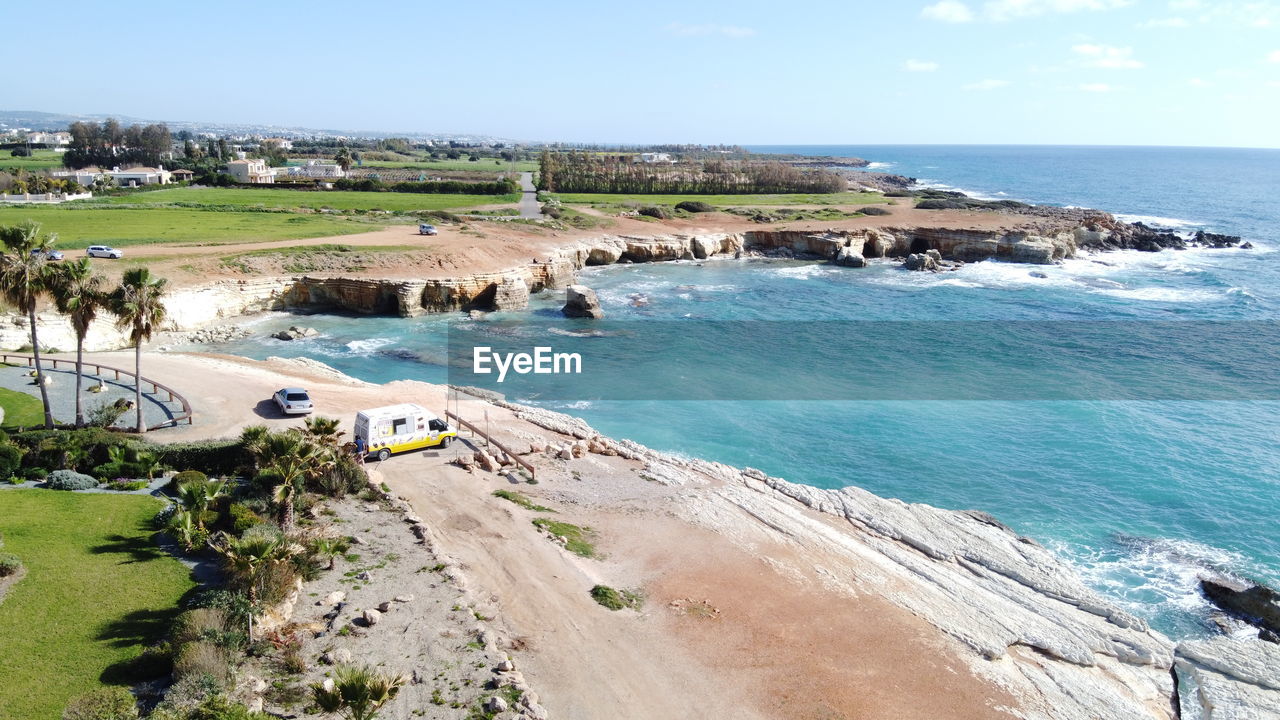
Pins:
x: 533, y: 473
x: 156, y: 388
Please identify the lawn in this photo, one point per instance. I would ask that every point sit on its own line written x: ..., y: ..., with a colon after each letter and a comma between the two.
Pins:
x: 313, y: 199
x: 81, y: 226
x: 844, y: 198
x: 39, y: 160
x: 21, y: 409
x: 97, y: 590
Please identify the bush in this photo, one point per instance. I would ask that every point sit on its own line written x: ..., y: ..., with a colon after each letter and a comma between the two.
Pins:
x: 616, y: 599
x: 202, y: 659
x: 654, y: 212
x: 35, y: 473
x: 552, y: 212
x: 108, y: 703
x: 105, y: 414
x: 187, y: 476
x: 219, y: 457
x: 941, y: 205
x: 874, y: 210
x: 9, y: 564
x: 206, y: 624
x: 126, y: 485
x: 70, y: 480
x: 10, y: 460
x: 695, y: 206
x: 243, y: 517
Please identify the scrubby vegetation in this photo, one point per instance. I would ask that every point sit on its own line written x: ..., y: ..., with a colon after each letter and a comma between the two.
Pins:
x: 577, y: 540
x: 617, y: 599
x: 951, y: 200
x: 521, y: 499
x: 69, y: 480
x: 695, y: 206
x: 583, y: 172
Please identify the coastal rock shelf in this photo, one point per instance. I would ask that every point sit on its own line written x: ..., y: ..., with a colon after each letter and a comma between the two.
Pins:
x: 1039, y: 240
x: 1021, y: 615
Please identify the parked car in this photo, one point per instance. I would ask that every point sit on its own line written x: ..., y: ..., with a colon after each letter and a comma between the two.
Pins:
x: 427, y: 229
x: 293, y: 401
x: 51, y: 255
x: 104, y: 251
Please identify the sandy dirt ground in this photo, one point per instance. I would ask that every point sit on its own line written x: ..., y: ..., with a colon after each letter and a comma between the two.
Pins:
x: 739, y: 627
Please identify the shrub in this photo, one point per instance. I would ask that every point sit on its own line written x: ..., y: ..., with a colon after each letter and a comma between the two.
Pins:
x: 552, y: 212
x: 199, y: 624
x: 35, y: 473
x: 10, y: 460
x: 654, y: 211
x: 70, y: 480
x: 108, y: 703
x: 202, y: 658
x: 187, y: 476
x: 126, y: 485
x: 941, y: 205
x: 243, y: 517
x: 616, y: 599
x: 874, y: 210
x: 9, y: 564
x: 898, y: 193
x: 695, y: 206
x: 105, y: 414
x: 219, y: 457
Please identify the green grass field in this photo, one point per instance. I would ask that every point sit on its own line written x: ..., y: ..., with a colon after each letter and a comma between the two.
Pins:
x: 80, y: 226
x: 97, y: 591
x: 21, y: 409
x: 288, y: 199
x: 39, y: 160
x: 845, y: 198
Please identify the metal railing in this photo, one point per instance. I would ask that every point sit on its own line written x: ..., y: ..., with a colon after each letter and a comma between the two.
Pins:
x: 156, y: 388
x: 533, y: 472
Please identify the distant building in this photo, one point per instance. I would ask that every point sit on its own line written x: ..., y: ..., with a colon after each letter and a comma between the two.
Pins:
x: 282, y: 143
x: 654, y: 158
x: 136, y: 176
x: 49, y: 139
x: 251, y: 171
x: 84, y: 176
x: 182, y: 175
x: 316, y: 169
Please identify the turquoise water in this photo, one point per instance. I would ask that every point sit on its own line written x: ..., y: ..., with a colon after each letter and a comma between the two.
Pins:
x: 1141, y: 495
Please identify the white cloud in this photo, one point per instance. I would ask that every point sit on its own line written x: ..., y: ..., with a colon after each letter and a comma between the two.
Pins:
x: 919, y: 66
x: 950, y: 11
x: 1185, y: 4
x: 1273, y: 56
x: 987, y: 84
x: 1096, y: 87
x: 734, y: 31
x: 1198, y: 82
x: 1105, y: 56
x: 1173, y: 22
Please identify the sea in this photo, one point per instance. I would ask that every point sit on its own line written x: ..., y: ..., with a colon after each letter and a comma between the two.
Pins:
x: 1142, y: 493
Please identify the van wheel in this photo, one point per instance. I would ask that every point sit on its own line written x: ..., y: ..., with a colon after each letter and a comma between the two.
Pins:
x: 383, y: 454
x: 444, y: 442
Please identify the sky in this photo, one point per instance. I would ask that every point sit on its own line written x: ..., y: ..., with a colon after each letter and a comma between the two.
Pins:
x: 1089, y: 72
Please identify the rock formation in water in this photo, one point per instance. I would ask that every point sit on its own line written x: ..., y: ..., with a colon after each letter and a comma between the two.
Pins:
x: 581, y: 302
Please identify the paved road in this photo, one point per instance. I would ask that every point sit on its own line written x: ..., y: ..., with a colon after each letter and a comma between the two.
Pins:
x: 529, y: 208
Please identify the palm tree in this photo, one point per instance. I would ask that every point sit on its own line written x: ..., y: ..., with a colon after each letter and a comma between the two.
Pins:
x: 292, y: 460
x: 139, y: 309
x: 247, y: 559
x: 196, y: 497
x: 323, y: 431
x: 357, y: 692
x: 343, y: 158
x: 24, y: 275
x: 78, y: 293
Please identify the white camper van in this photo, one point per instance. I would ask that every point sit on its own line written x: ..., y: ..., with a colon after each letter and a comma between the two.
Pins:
x: 400, y: 428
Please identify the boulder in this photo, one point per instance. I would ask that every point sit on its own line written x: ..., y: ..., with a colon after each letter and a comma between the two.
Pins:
x: 848, y: 257
x: 1257, y: 603
x: 511, y: 294
x: 921, y: 262
x: 340, y: 656
x: 495, y: 704
x: 334, y: 597
x: 506, y: 665
x: 581, y: 302
x: 295, y: 333
x: 371, y: 617
x: 384, y: 606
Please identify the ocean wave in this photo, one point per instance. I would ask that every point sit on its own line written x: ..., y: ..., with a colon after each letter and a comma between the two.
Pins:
x: 804, y: 272
x: 1156, y: 220
x: 1155, y: 575
x: 1162, y: 294
x: 879, y: 165
x: 368, y: 345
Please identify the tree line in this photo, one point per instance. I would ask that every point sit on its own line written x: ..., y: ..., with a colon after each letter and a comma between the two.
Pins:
x: 27, y: 276
x: 505, y: 186
x: 109, y: 144
x: 593, y: 173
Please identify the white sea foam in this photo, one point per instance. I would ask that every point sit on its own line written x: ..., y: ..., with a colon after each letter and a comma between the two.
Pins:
x: 1162, y: 294
x: 879, y: 165
x: 1156, y: 220
x: 367, y: 346
x: 803, y: 272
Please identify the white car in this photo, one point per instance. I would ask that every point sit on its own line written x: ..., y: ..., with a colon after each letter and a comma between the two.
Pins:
x: 104, y: 251
x: 293, y: 401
